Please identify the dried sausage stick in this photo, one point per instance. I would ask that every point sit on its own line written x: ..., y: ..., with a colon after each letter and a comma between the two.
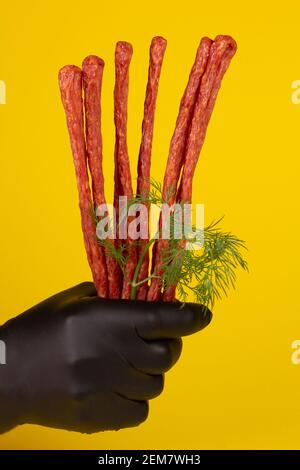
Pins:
x: 222, y: 51
x: 123, y: 54
x: 70, y: 82
x: 157, y: 51
x: 176, y: 152
x: 92, y: 72
x: 117, y: 194
x: 180, y: 136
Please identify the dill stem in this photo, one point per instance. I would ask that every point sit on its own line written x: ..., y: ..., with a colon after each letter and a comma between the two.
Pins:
x: 135, y: 282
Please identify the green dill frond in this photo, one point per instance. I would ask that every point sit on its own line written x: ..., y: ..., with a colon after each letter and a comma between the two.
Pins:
x: 208, y: 273
x: 93, y: 213
x: 117, y: 252
x: 205, y: 274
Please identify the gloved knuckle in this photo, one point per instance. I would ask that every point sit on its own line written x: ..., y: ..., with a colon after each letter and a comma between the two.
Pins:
x: 152, y: 320
x: 166, y: 356
x: 142, y: 412
x: 70, y: 320
x: 85, y: 284
x: 190, y: 316
x: 158, y: 385
x: 177, y: 346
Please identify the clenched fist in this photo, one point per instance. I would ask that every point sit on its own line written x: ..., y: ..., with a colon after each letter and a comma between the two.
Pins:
x: 86, y: 364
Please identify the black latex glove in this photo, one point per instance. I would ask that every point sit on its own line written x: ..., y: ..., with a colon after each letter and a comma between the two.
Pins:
x: 82, y: 363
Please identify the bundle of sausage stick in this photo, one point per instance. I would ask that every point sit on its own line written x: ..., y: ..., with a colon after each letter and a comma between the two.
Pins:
x: 81, y: 97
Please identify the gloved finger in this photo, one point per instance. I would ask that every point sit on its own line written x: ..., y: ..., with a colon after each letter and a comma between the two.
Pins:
x: 84, y: 289
x: 73, y: 294
x: 136, y: 385
x: 155, y: 357
x: 102, y: 412
x: 132, y: 412
x: 172, y: 320
x: 129, y: 380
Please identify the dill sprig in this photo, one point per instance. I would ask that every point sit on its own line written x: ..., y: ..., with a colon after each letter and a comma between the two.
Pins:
x: 208, y: 273
x: 204, y: 274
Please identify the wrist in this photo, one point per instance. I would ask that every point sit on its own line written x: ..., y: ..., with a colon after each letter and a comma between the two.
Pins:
x: 11, y: 402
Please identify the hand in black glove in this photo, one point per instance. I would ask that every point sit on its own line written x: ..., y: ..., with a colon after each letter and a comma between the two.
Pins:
x: 82, y: 363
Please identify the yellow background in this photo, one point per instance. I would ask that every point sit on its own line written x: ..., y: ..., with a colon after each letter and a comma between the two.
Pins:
x: 235, y: 385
